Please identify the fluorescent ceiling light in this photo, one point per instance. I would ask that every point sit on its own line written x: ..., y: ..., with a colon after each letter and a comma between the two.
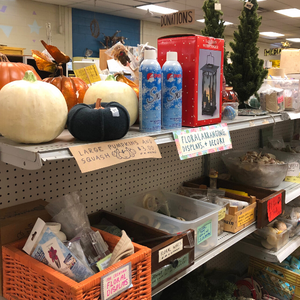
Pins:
x: 260, y: 0
x: 271, y: 34
x: 225, y: 23
x: 290, y: 12
x: 157, y: 9
x: 295, y: 40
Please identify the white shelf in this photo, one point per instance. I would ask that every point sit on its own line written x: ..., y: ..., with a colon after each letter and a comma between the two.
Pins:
x: 292, y: 190
x: 225, y: 241
x: 253, y: 248
x: 31, y: 157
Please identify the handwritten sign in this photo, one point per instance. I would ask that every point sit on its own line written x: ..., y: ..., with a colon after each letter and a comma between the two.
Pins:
x: 184, y: 17
x: 170, y: 250
x: 167, y: 271
x: 293, y: 169
x: 116, y: 282
x: 274, y: 207
x: 204, y: 232
x: 203, y: 140
x: 101, y: 155
x: 245, y: 218
x: 88, y: 74
x: 221, y: 214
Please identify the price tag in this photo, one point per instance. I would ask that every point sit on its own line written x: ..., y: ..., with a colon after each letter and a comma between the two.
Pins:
x: 204, y: 232
x: 116, y: 282
x: 218, y: 6
x: 293, y: 169
x: 221, y: 214
x: 251, y: 123
x: 265, y: 121
x: 274, y: 207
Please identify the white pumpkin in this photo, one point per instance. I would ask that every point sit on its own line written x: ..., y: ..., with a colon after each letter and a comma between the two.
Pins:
x: 116, y: 91
x: 32, y: 111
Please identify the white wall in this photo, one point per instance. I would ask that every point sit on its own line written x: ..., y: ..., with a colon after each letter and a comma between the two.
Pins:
x: 17, y: 15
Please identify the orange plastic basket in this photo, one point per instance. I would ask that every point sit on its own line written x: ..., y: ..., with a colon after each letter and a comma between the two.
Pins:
x: 26, y: 278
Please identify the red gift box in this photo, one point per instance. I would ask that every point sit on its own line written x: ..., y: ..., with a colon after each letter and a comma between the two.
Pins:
x: 201, y: 59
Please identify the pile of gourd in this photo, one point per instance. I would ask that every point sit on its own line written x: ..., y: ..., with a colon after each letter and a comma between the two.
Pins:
x: 36, y: 111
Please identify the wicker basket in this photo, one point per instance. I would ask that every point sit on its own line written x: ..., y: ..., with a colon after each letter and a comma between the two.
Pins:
x: 271, y: 282
x: 26, y: 278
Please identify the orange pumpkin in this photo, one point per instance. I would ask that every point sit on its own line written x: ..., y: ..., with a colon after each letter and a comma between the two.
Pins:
x: 73, y: 88
x: 10, y: 71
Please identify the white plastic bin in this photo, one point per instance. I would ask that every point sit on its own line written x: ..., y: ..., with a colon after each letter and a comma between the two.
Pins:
x: 198, y: 215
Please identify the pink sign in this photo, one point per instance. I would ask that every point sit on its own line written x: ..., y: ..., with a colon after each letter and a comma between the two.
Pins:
x: 116, y: 282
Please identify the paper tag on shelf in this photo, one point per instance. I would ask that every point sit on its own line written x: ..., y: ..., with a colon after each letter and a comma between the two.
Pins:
x: 245, y: 218
x: 293, y: 169
x: 204, y: 232
x: 221, y: 214
x: 218, y: 6
x: 251, y: 123
x: 202, y: 140
x: 265, y: 121
x: 170, y: 250
x: 274, y: 208
x: 295, y: 179
x: 97, y: 156
x: 116, y: 282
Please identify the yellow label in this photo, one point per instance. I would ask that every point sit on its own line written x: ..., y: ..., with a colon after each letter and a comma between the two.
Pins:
x: 241, y: 193
x: 88, y: 74
x: 292, y: 179
x: 221, y: 214
x: 245, y: 218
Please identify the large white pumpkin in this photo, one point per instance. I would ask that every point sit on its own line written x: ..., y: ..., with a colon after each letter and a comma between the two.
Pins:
x: 32, y: 111
x: 110, y: 91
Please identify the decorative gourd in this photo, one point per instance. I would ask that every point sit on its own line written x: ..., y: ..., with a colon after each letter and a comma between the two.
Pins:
x: 122, y: 78
x: 32, y: 111
x: 73, y: 88
x: 114, y: 91
x: 13, y: 71
x: 96, y: 123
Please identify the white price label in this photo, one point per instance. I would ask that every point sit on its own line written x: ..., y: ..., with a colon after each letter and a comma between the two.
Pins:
x: 293, y: 169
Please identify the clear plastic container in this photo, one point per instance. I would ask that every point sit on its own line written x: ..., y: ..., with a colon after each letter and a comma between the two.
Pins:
x: 269, y: 239
x: 197, y: 215
x: 230, y: 110
x: 290, y: 91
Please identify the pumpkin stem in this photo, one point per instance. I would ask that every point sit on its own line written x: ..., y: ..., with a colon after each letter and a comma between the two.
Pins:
x: 3, y: 58
x: 29, y: 76
x: 98, y: 104
x: 60, y: 68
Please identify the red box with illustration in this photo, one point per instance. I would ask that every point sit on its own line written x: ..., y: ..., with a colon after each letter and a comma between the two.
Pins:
x: 201, y: 59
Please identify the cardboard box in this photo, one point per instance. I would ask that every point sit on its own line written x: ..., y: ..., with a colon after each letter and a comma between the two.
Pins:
x: 290, y: 61
x: 16, y: 222
x: 265, y: 198
x: 170, y: 255
x: 201, y: 59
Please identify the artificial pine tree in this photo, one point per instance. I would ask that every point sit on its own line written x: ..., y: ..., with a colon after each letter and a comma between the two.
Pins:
x: 247, y: 71
x: 214, y: 26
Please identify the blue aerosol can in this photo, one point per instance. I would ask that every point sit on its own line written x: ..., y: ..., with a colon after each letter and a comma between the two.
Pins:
x: 150, y: 93
x: 171, y: 93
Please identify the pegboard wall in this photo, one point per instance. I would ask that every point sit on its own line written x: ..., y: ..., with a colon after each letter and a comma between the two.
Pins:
x: 248, y: 139
x: 102, y: 189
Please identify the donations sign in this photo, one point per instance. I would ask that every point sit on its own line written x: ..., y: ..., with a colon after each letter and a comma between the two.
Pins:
x: 178, y: 18
x: 202, y: 140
